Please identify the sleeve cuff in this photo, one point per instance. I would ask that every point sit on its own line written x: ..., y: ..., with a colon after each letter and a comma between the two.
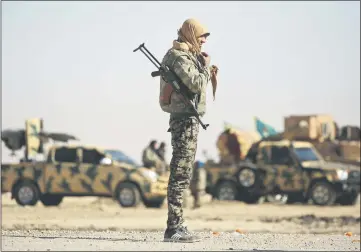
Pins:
x: 207, y: 72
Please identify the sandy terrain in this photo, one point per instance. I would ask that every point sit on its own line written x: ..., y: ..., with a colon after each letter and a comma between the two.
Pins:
x: 152, y: 241
x: 101, y: 224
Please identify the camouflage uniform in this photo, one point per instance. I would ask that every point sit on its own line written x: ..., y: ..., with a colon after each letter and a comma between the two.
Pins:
x: 150, y: 158
x: 161, y: 151
x: 186, y: 61
x: 163, y: 166
x: 198, y: 184
x: 184, y: 142
x: 184, y: 128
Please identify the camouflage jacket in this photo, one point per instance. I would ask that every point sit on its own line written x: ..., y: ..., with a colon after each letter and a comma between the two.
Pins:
x: 149, y: 157
x: 193, y: 75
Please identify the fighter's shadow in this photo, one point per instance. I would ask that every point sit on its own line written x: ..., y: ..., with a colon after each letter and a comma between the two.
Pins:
x: 78, y: 238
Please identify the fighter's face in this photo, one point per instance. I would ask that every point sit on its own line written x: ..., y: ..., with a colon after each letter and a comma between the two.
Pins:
x: 202, y: 40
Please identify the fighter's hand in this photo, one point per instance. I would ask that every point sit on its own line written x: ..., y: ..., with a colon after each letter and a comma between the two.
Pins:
x: 206, y: 59
x: 214, y: 70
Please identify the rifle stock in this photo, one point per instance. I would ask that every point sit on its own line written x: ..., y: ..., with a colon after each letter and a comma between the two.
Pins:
x: 155, y: 74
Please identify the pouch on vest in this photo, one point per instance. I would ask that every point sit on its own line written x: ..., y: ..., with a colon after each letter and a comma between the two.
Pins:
x: 167, y: 93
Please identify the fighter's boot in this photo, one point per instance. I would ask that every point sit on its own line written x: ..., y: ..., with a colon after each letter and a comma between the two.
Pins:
x: 180, y: 234
x: 196, y: 237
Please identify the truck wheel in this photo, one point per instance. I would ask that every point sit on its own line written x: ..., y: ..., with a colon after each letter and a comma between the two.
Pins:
x: 348, y: 199
x: 247, y: 177
x: 51, y: 200
x: 323, y: 194
x: 128, y: 195
x: 26, y: 193
x: 154, y: 204
x: 226, y: 191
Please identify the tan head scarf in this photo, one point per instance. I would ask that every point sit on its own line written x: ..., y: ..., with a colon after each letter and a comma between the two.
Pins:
x: 189, y: 33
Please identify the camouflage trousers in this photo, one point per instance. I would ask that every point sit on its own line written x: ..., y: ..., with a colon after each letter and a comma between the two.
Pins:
x: 184, y: 142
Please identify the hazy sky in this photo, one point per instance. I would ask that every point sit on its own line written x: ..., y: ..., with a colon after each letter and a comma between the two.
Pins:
x: 72, y: 63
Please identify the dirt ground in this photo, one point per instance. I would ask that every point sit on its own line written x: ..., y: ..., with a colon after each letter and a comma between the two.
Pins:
x: 89, y: 218
x: 152, y: 241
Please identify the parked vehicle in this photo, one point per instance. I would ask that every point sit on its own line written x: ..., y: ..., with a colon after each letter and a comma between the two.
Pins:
x: 292, y: 168
x: 76, y: 170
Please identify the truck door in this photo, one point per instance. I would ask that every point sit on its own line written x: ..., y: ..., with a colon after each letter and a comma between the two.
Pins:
x: 98, y: 177
x: 289, y: 176
x: 62, y: 171
x: 262, y: 158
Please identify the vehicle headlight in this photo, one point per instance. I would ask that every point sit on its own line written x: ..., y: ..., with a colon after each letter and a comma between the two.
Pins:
x: 247, y: 177
x: 152, y: 175
x: 342, y: 174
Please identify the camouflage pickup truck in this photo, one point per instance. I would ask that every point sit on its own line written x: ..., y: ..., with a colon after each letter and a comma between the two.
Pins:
x: 83, y: 171
x: 292, y: 168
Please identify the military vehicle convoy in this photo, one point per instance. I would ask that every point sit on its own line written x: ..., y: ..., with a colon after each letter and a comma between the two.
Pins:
x: 77, y: 170
x: 292, y: 168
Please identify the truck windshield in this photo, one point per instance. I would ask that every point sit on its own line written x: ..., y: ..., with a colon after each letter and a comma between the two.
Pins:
x: 305, y: 154
x: 121, y: 157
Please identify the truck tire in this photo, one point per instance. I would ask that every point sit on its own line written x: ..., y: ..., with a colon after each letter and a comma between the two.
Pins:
x: 226, y: 190
x: 26, y: 193
x: 51, y: 200
x: 323, y: 194
x: 247, y: 177
x: 128, y: 195
x: 348, y: 199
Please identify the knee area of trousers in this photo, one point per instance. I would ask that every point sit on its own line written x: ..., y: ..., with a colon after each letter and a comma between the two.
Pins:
x: 180, y: 178
x: 184, y: 154
x: 178, y: 185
